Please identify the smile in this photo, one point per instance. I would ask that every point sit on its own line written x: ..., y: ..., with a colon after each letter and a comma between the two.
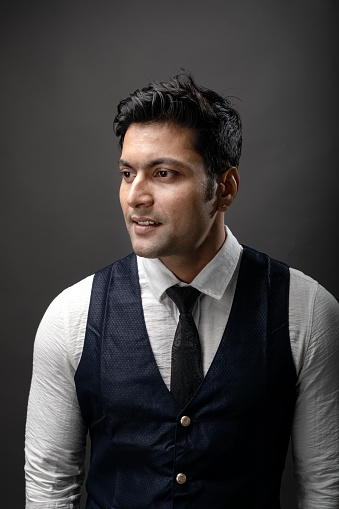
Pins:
x: 144, y: 221
x: 147, y: 223
x: 144, y: 225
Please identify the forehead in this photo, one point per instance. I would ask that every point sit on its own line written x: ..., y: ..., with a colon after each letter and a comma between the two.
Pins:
x: 159, y: 139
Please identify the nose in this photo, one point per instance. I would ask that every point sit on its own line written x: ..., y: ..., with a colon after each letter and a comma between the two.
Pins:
x: 140, y: 193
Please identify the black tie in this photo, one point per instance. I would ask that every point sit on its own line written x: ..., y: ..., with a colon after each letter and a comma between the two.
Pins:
x: 186, y: 368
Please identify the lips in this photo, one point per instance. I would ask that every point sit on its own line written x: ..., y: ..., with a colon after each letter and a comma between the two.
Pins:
x: 144, y: 225
x: 145, y: 221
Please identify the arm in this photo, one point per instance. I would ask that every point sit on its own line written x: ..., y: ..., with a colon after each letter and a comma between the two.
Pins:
x: 55, y: 432
x: 315, y: 436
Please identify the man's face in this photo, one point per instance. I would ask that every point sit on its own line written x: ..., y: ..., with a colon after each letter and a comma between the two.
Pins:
x: 163, y: 193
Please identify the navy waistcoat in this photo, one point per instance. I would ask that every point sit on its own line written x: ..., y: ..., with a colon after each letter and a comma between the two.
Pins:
x: 233, y: 452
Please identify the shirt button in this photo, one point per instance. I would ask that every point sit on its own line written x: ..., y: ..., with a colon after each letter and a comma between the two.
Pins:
x: 181, y: 478
x: 185, y: 421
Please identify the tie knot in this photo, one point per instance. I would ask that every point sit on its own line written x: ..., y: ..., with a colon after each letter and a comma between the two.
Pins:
x: 184, y: 297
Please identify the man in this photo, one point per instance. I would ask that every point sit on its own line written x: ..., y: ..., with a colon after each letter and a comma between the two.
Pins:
x: 192, y: 360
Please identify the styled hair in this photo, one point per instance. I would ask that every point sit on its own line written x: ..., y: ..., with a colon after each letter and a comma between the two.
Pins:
x: 215, y: 123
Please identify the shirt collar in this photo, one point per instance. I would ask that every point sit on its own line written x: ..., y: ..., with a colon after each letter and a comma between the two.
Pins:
x: 212, y: 280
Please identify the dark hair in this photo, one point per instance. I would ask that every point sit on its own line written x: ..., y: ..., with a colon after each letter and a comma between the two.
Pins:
x: 217, y: 126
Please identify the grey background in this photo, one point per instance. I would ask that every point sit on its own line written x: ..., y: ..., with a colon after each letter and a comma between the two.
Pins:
x: 65, y: 67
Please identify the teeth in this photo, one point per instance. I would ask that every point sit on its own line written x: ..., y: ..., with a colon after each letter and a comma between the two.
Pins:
x: 146, y: 223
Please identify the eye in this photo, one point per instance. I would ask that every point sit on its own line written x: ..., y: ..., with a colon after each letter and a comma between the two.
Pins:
x: 163, y: 173
x: 126, y: 175
x: 166, y: 174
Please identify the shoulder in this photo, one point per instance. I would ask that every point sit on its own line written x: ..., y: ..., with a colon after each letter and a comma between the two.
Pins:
x: 62, y: 329
x: 71, y: 303
x: 303, y: 290
x: 313, y: 316
x: 310, y: 297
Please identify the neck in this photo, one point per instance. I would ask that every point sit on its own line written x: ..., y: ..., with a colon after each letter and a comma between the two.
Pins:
x: 186, y: 268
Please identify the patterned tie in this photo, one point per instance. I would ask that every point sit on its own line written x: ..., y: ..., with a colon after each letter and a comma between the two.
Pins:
x: 186, y: 368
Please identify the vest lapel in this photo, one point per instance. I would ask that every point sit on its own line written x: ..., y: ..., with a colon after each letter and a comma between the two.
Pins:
x: 129, y: 336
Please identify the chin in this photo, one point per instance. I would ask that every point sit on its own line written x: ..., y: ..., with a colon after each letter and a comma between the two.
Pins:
x: 145, y: 252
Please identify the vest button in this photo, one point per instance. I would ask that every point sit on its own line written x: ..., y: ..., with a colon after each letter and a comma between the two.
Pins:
x: 185, y: 421
x: 181, y: 478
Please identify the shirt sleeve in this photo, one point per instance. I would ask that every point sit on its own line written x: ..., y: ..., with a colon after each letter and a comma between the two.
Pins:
x: 55, y: 432
x: 315, y: 435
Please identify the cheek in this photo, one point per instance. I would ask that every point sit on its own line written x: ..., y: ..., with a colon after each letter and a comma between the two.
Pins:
x: 185, y: 211
x: 122, y: 198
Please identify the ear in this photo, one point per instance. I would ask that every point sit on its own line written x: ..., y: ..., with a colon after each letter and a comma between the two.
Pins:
x: 227, y: 189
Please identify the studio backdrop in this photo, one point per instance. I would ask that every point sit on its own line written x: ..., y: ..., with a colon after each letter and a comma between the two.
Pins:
x: 67, y: 64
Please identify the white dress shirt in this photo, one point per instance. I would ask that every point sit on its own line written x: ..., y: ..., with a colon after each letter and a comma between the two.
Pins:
x: 56, y: 434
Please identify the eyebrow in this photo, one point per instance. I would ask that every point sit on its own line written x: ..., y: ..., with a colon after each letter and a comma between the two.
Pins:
x: 154, y: 162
